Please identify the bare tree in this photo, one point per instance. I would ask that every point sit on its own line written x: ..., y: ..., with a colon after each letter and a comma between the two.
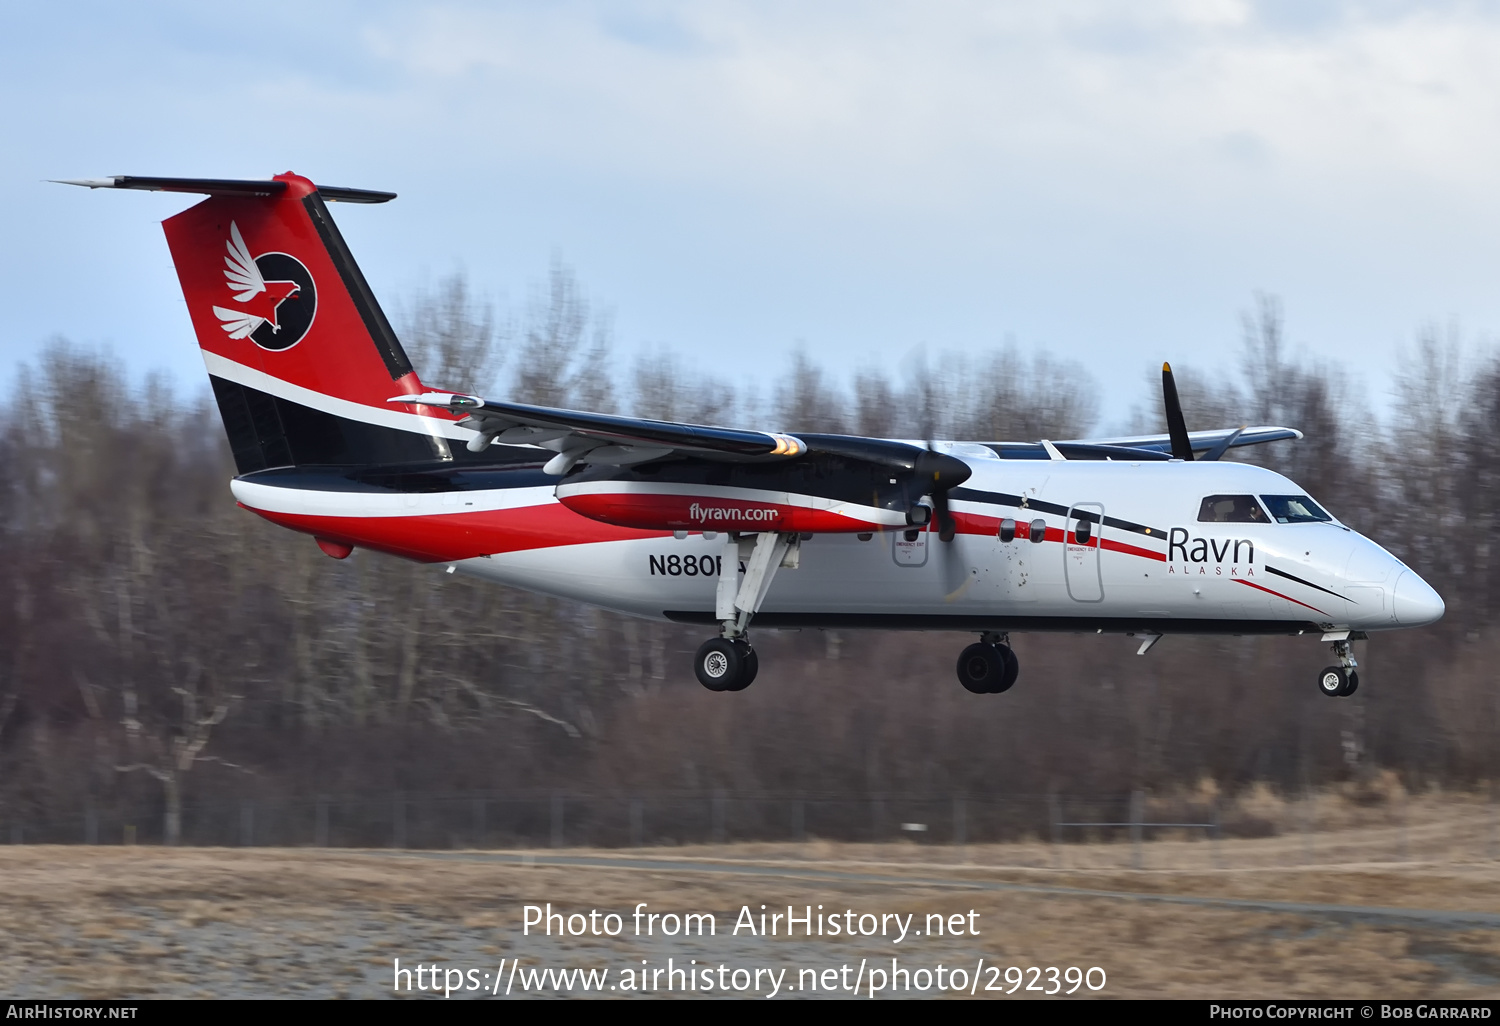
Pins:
x: 876, y: 404
x: 171, y: 747
x: 453, y: 339
x: 806, y: 401
x: 563, y: 358
x: 664, y: 390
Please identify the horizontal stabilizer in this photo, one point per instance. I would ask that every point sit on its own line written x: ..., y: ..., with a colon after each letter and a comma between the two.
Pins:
x: 224, y: 187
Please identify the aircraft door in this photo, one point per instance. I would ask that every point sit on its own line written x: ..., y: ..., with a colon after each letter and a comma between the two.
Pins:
x: 1081, y: 569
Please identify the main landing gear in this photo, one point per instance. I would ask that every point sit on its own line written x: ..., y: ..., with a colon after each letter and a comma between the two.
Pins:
x: 728, y: 663
x: 988, y: 666
x: 1340, y: 681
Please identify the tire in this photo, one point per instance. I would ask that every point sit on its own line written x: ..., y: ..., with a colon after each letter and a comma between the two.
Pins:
x: 1353, y: 683
x: 748, y: 669
x: 719, y: 664
x: 981, y: 668
x: 1011, y: 672
x: 1333, y: 681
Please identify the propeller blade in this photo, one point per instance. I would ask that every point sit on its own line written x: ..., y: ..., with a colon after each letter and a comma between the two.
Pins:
x: 1182, y: 448
x: 947, y: 526
x: 1218, y: 451
x: 942, y: 472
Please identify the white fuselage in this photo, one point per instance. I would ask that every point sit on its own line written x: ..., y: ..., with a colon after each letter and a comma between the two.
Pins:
x: 1148, y: 560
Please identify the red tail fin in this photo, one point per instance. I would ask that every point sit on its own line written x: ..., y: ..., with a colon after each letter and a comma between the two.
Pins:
x: 301, y: 358
x: 270, y: 285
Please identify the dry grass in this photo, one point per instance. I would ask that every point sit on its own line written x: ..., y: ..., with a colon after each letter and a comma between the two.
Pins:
x: 122, y: 922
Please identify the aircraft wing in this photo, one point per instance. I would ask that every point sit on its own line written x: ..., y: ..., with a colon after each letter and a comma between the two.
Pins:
x: 1202, y: 441
x: 582, y: 437
x: 578, y: 436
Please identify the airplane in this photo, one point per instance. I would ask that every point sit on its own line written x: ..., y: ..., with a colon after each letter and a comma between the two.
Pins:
x: 334, y: 435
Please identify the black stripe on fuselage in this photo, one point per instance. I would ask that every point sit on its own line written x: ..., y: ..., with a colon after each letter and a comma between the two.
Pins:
x: 976, y: 622
x: 1027, y: 503
x: 267, y: 431
x: 1308, y: 584
x: 525, y: 471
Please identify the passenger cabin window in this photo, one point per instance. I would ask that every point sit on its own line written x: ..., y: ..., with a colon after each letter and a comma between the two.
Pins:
x: 1295, y: 509
x: 1231, y: 509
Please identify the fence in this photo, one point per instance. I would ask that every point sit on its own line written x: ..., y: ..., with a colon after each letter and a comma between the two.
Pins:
x: 1084, y: 831
x: 555, y: 819
x: 1135, y: 822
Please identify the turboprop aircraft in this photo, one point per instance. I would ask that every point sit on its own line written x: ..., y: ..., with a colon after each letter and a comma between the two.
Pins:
x: 334, y: 435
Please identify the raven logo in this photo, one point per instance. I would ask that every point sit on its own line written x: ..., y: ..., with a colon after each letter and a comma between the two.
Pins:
x: 275, y: 294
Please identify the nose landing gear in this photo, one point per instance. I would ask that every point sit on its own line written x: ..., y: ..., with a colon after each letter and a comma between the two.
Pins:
x: 988, y: 667
x: 1340, y: 681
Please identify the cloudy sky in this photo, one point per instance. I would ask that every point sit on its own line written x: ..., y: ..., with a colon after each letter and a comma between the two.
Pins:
x: 1111, y: 182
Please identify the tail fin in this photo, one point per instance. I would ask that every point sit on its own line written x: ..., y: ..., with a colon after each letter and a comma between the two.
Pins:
x: 301, y: 358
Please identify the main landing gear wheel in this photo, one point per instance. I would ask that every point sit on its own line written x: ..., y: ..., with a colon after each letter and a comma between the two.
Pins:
x: 750, y: 668
x: 1337, y: 682
x: 724, y: 664
x: 987, y: 669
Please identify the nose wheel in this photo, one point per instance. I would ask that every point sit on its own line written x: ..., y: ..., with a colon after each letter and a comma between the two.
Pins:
x: 988, y: 667
x: 1337, y: 682
x: 726, y: 664
x: 1342, y: 680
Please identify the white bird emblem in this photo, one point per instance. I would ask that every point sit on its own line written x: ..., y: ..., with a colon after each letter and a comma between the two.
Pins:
x: 261, y: 298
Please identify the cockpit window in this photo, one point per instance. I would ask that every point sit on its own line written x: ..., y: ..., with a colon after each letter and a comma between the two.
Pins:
x: 1231, y: 509
x: 1295, y: 509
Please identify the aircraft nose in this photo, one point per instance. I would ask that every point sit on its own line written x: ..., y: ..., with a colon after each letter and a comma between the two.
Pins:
x: 1415, y: 602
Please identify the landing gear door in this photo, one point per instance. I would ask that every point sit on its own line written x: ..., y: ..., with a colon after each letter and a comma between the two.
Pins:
x: 1081, y: 544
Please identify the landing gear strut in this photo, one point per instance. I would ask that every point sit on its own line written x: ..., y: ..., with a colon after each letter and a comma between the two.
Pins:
x: 728, y: 663
x: 1340, y: 681
x: 988, y: 666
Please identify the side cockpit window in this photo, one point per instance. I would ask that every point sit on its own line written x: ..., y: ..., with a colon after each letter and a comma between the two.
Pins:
x: 1295, y: 509
x: 1231, y: 509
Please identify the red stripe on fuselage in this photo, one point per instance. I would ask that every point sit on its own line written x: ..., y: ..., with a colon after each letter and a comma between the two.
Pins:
x: 646, y: 510
x: 444, y: 537
x: 1278, y: 594
x: 1134, y: 550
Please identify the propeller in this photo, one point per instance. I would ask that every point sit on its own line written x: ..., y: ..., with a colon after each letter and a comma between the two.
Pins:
x: 938, y: 473
x: 945, y: 473
x: 1182, y: 447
